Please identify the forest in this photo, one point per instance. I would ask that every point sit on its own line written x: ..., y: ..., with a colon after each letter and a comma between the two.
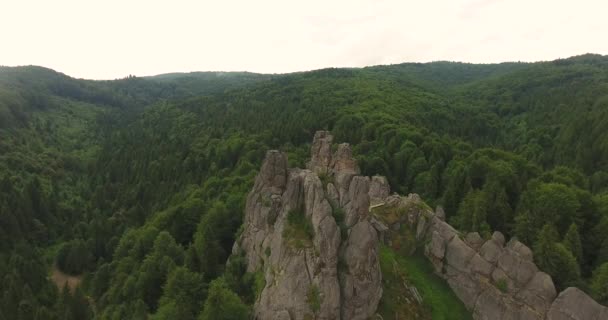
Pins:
x: 136, y: 186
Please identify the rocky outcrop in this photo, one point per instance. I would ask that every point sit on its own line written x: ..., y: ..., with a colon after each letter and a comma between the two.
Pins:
x: 291, y: 237
x: 573, y: 304
x: 313, y: 235
x: 494, y: 279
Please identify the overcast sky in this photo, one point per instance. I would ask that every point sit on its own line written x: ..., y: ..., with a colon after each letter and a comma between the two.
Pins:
x: 113, y: 38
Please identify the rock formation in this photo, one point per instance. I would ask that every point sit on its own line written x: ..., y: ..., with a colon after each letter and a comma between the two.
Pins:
x: 494, y: 279
x: 314, y: 234
x: 299, y: 255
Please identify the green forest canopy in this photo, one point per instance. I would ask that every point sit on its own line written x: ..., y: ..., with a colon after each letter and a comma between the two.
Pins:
x: 139, y: 183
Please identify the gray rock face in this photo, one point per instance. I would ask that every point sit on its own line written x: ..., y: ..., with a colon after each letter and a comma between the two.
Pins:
x: 498, y: 281
x: 573, y: 304
x: 361, y: 291
x: 379, y: 189
x: 321, y: 152
x: 296, y: 266
x: 358, y: 206
x: 291, y: 270
x: 493, y: 279
x: 343, y: 161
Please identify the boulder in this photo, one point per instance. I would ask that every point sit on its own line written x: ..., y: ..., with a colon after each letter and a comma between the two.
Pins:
x: 574, y: 304
x: 516, y: 268
x: 519, y: 248
x: 538, y: 293
x: 466, y: 288
x: 499, y: 238
x: 440, y: 213
x: 481, y: 266
x: 458, y: 255
x: 490, y: 251
x: 474, y: 240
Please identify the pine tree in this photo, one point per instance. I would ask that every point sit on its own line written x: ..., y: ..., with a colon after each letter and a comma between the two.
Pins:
x: 599, y: 284
x: 555, y: 259
x: 572, y: 241
x: 223, y: 304
x: 472, y: 213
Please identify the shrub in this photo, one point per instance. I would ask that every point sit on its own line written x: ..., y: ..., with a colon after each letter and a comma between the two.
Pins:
x: 314, y: 298
x: 502, y: 285
x: 298, y: 231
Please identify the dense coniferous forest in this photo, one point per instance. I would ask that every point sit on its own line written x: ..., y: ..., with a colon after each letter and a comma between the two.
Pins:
x: 137, y: 186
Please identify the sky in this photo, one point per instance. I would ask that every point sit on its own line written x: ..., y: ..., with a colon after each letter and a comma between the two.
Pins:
x: 108, y: 39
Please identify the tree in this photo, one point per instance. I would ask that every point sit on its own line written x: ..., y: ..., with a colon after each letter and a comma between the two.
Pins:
x: 472, y: 213
x: 552, y: 203
x: 555, y: 259
x: 599, y: 284
x: 74, y: 257
x: 572, y: 242
x: 183, y: 295
x: 223, y: 304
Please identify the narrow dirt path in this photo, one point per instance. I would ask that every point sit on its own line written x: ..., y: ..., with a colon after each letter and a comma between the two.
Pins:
x: 60, y: 279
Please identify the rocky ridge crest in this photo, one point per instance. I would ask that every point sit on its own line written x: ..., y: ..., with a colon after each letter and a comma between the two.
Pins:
x: 314, y: 266
x: 314, y: 234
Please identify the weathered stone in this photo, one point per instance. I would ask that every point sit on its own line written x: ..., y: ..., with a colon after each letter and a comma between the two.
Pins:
x: 493, y: 281
x: 342, y: 183
x: 380, y: 227
x: 294, y: 267
x: 379, y: 189
x: 474, y: 240
x: 362, y: 282
x: 538, y: 293
x: 436, y: 247
x: 282, y: 315
x: 343, y: 160
x: 490, y: 251
x: 574, y: 304
x: 291, y: 271
x: 518, y: 247
x: 490, y: 305
x: 332, y: 194
x: 500, y: 276
x: 424, y: 223
x: 446, y: 231
x: 499, y: 238
x: 358, y: 207
x: 481, y: 266
x: 519, y: 270
x: 458, y: 255
x: 440, y: 213
x: 321, y: 152
x: 465, y: 288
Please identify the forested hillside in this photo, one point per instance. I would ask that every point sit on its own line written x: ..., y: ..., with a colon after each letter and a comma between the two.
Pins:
x: 138, y: 184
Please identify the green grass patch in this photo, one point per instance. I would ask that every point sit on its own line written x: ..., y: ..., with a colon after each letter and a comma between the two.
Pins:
x: 439, y: 301
x: 339, y: 216
x: 325, y: 178
x: 502, y: 285
x: 259, y: 282
x: 313, y: 297
x: 298, y: 231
